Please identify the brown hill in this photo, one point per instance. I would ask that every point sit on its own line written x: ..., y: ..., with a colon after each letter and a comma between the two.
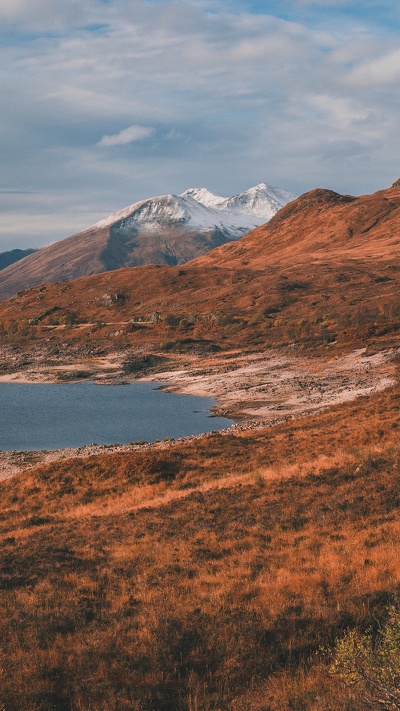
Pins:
x: 211, y: 574
x: 71, y: 258
x: 320, y: 225
x: 326, y: 268
x: 208, y: 575
x: 167, y: 229
x: 99, y: 250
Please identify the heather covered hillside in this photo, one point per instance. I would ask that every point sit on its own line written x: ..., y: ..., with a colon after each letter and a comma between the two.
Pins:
x: 324, y: 269
x: 205, y: 575
x: 219, y: 572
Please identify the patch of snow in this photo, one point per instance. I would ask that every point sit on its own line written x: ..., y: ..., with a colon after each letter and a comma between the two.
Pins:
x: 120, y: 215
x: 200, y: 209
x: 204, y: 197
x: 263, y: 200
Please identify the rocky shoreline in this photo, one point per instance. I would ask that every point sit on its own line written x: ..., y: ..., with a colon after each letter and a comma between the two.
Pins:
x: 256, y: 390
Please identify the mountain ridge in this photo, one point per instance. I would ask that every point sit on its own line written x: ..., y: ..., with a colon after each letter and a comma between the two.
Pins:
x: 209, y: 572
x: 324, y: 270
x: 320, y: 224
x: 166, y: 229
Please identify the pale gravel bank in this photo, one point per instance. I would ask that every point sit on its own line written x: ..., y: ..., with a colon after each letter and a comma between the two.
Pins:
x: 269, y: 385
x: 257, y: 390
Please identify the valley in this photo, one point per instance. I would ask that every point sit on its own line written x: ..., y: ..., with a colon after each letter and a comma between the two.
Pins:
x: 213, y: 572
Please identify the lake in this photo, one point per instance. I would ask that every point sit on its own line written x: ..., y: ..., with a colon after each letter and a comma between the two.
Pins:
x: 37, y: 416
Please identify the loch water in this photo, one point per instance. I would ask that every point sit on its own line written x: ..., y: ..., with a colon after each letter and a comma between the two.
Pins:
x: 35, y: 416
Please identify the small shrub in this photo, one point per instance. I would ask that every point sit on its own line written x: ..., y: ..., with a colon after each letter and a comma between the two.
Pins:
x: 372, y: 665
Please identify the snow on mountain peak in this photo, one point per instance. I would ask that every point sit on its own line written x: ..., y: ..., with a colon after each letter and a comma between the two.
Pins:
x: 204, y: 197
x: 262, y: 200
x: 198, y: 208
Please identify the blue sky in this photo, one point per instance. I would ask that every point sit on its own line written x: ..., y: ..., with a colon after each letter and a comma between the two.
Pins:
x: 106, y: 102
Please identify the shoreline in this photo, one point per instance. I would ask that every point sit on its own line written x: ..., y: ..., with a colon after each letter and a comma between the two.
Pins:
x: 256, y: 391
x: 14, y: 462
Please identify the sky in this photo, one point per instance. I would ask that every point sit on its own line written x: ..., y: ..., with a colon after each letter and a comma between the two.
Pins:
x: 107, y: 102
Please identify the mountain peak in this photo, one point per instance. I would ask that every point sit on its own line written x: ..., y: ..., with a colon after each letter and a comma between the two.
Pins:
x: 260, y: 187
x: 204, y: 197
x: 262, y: 200
x: 165, y: 229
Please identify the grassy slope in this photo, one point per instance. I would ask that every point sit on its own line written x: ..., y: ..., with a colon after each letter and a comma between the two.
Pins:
x: 200, y: 310
x: 324, y: 269
x: 114, y: 599
x: 206, y: 576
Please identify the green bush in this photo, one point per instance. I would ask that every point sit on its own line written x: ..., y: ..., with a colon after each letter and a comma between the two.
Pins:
x: 371, y: 663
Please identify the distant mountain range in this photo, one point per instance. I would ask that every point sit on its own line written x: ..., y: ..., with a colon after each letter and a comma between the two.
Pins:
x: 167, y: 229
x: 197, y: 210
x: 14, y: 255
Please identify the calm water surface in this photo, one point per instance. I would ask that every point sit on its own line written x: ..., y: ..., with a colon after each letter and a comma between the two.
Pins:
x: 53, y: 416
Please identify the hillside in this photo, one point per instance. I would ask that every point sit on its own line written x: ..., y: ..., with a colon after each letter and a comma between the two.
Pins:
x: 167, y: 229
x: 299, y: 279
x: 207, y: 575
x: 214, y: 573
x: 318, y: 226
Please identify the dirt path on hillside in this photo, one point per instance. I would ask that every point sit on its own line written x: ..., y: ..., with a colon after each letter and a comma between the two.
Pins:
x: 147, y: 497
x: 257, y: 390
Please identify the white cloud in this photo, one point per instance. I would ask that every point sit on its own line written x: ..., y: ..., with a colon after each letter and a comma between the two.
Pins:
x: 42, y: 15
x: 343, y: 111
x: 381, y: 71
x: 127, y: 135
x: 233, y: 98
x: 324, y: 3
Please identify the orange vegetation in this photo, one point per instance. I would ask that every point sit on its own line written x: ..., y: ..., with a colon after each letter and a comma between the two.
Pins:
x: 208, y: 575
x: 204, y: 576
x: 325, y: 269
x: 318, y: 224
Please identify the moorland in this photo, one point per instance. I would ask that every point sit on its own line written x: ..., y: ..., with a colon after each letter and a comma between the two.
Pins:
x: 214, y: 573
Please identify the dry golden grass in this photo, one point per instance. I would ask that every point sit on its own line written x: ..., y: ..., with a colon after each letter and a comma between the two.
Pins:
x: 205, y: 576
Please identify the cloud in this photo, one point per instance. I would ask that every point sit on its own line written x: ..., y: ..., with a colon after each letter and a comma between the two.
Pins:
x: 43, y: 15
x: 383, y: 70
x: 233, y: 97
x: 127, y: 135
x: 325, y: 3
x: 343, y: 111
x: 10, y: 191
x: 343, y: 150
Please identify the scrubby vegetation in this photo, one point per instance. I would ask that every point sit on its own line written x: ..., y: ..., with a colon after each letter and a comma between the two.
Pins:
x: 234, y: 572
x: 203, y: 309
x: 371, y: 663
x: 207, y: 575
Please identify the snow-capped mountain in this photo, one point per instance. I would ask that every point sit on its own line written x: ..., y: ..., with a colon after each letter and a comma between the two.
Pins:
x: 198, y: 208
x: 205, y: 197
x: 262, y: 201
x: 167, y: 229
